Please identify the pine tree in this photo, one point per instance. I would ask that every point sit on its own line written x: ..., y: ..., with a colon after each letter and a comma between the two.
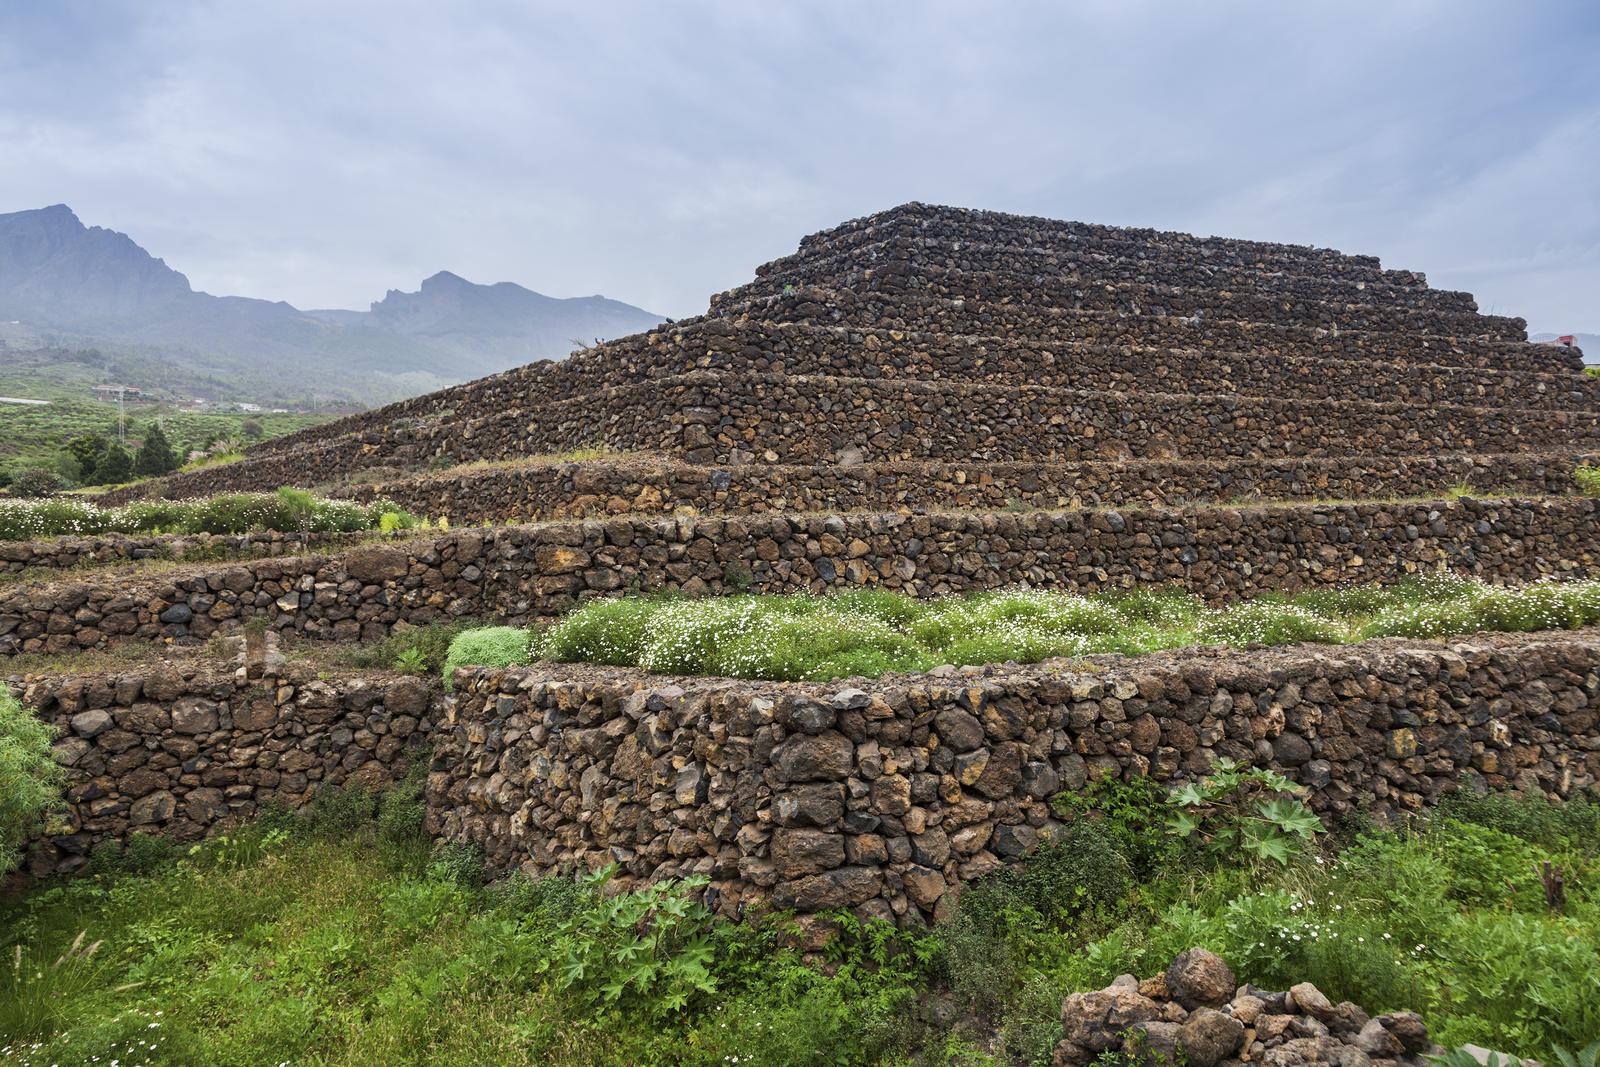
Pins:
x: 155, y: 454
x: 114, y: 468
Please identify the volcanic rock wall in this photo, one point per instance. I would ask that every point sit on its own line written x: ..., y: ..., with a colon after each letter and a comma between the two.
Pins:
x: 523, y: 573
x: 190, y: 752
x: 885, y: 798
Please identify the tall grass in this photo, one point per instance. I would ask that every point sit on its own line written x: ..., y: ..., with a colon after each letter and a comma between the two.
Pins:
x: 875, y: 631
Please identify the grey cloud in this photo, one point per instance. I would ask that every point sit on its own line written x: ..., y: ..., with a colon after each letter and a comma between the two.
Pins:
x: 322, y: 153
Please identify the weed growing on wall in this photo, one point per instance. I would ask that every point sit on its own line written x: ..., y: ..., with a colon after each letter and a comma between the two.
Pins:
x: 1588, y: 479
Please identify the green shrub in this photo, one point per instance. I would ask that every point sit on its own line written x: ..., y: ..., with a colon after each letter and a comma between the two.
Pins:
x: 1167, y: 605
x: 1132, y: 813
x: 491, y: 646
x: 30, y: 779
x: 153, y: 516
x: 288, y: 510
x: 36, y: 483
x: 685, y: 638
x: 1573, y: 824
x: 341, y: 813
x: 885, y: 605
x: 401, y: 809
x: 609, y: 631
x: 460, y: 863
x: 1587, y: 477
x: 410, y: 661
x: 1423, y: 621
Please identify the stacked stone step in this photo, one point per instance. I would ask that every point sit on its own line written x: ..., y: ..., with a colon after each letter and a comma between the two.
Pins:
x: 533, y: 492
x: 720, y: 417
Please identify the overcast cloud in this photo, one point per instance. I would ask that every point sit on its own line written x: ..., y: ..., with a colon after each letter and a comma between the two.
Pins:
x: 322, y: 152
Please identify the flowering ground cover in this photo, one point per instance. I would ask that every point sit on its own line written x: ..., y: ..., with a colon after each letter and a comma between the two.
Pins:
x: 287, y: 510
x: 871, y: 632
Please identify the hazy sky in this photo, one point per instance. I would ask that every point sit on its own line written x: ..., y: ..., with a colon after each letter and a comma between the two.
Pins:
x: 323, y: 152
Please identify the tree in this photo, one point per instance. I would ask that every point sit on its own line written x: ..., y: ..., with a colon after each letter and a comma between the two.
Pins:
x: 251, y: 428
x: 114, y: 468
x: 87, y: 450
x: 155, y: 454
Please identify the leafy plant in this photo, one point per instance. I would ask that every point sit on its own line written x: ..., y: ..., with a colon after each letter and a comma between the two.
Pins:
x: 1588, y: 1056
x: 411, y: 661
x: 1243, y: 809
x: 648, y: 949
x: 431, y: 642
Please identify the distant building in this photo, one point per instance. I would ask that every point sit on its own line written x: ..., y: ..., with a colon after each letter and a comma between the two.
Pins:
x: 118, y: 392
x: 242, y: 406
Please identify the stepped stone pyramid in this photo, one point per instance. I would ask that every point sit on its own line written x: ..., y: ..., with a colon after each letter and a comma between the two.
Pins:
x: 930, y: 360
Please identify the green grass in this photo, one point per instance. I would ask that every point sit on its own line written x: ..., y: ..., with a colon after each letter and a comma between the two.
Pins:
x: 871, y: 632
x: 342, y: 940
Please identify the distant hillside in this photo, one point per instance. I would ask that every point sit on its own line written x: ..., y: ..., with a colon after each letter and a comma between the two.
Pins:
x: 65, y: 284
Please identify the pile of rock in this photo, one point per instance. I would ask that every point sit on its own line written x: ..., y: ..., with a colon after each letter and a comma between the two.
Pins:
x: 1195, y: 1015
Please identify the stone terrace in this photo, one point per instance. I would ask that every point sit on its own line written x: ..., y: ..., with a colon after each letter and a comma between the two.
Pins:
x: 927, y: 399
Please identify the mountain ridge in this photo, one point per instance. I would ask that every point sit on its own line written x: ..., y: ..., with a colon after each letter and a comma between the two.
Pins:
x: 97, y: 286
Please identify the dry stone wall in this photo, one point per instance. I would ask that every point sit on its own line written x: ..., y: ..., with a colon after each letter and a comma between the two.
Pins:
x: 69, y: 553
x: 929, y: 223
x: 545, y: 491
x: 189, y: 751
x: 899, y: 262
x: 1075, y: 294
x: 1000, y: 317
x: 521, y: 573
x: 974, y: 336
x: 711, y: 417
x: 886, y: 796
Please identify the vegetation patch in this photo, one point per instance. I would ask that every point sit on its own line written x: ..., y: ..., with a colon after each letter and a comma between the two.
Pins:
x: 30, y: 779
x: 873, y: 631
x: 287, y: 510
x: 340, y: 937
x: 1588, y: 479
